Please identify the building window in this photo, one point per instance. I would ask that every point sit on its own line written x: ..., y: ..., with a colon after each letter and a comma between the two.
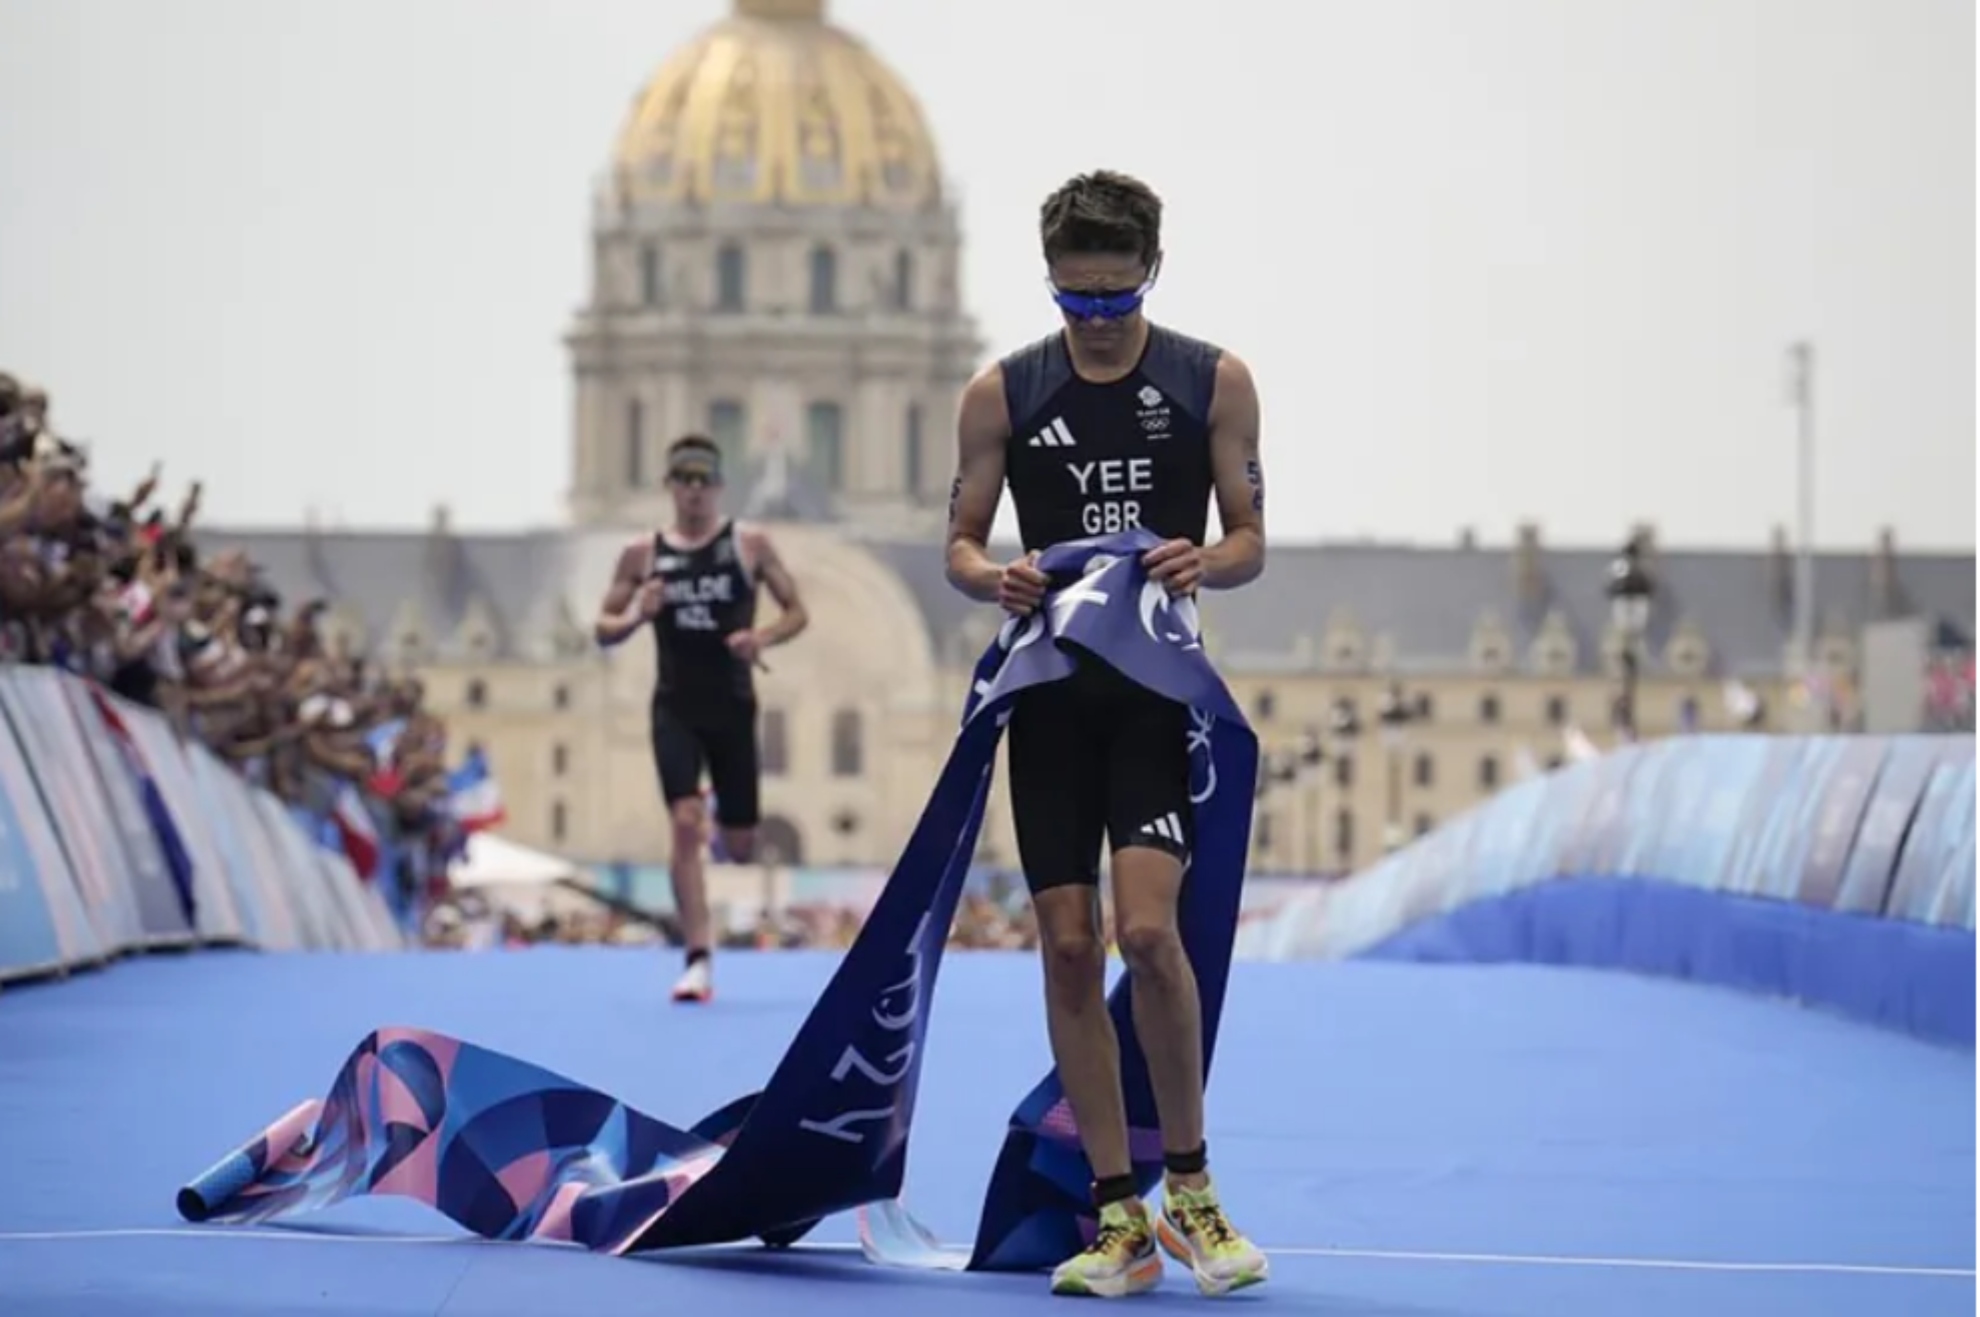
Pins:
x: 904, y: 280
x: 560, y: 759
x: 649, y: 275
x: 560, y: 696
x: 1423, y: 824
x: 1343, y: 835
x: 824, y: 281
x: 848, y: 749
x: 1488, y: 773
x: 1557, y: 710
x: 1265, y: 706
x: 1344, y: 771
x: 776, y: 746
x: 727, y: 423
x: 559, y: 821
x: 1425, y: 771
x: 635, y: 443
x: 731, y: 278
x: 477, y: 694
x: 824, y: 442
x: 1488, y: 708
x: 912, y: 476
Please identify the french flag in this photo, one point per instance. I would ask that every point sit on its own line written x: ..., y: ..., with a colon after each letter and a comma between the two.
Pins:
x: 355, y: 830
x: 473, y: 796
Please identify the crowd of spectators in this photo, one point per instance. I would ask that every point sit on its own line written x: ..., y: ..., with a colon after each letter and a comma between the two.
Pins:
x: 981, y: 923
x: 111, y: 585
x: 468, y: 922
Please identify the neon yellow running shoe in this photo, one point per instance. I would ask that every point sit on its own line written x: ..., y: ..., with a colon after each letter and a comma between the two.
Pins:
x: 1195, y: 1232
x: 1122, y: 1259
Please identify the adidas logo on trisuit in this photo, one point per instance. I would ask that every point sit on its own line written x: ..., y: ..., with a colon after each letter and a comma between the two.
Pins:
x: 1055, y: 435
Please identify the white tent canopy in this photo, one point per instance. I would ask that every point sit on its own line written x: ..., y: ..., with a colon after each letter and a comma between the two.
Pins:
x: 515, y: 879
x: 493, y: 861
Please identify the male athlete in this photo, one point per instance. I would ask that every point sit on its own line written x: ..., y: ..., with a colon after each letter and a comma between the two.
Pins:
x: 1109, y: 424
x: 696, y: 583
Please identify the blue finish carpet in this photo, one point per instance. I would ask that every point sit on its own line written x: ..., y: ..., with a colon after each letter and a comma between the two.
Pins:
x: 1408, y: 1140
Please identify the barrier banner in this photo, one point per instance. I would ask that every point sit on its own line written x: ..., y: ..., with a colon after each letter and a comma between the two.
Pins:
x: 1704, y: 782
x: 74, y: 816
x: 511, y: 1151
x: 115, y: 836
x: 1596, y: 827
x: 220, y: 899
x: 307, y: 899
x: 1500, y: 844
x: 268, y: 920
x: 1931, y: 842
x: 152, y: 838
x: 1954, y: 905
x: 1752, y: 847
x: 309, y: 858
x: 1887, y: 815
x: 29, y: 943
x: 368, y: 914
x: 294, y: 834
x: 128, y: 839
x: 81, y: 936
x: 236, y: 800
x: 1823, y: 825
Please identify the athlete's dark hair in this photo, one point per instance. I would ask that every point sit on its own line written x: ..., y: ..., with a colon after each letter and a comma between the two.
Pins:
x: 1102, y: 212
x: 688, y: 442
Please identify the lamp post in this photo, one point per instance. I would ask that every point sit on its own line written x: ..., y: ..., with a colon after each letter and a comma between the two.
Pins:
x: 1394, y: 715
x: 1801, y: 389
x: 1343, y: 728
x: 1629, y: 589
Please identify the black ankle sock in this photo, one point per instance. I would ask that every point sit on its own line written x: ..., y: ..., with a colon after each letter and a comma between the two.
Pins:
x: 696, y: 955
x: 1187, y: 1163
x: 1114, y: 1189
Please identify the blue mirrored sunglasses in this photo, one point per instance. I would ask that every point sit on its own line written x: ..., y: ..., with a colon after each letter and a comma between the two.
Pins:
x: 1100, y: 305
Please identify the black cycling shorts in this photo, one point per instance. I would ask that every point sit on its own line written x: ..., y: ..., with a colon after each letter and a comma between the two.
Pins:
x: 688, y: 736
x: 1096, y: 756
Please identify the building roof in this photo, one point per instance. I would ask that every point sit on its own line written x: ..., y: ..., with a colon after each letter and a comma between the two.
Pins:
x: 1412, y: 608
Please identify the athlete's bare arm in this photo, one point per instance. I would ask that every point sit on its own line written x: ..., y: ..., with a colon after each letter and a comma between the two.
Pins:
x: 631, y: 600
x: 767, y: 565
x: 1239, y: 557
x: 983, y: 426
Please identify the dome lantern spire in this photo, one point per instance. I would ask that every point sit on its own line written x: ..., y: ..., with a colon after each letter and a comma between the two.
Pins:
x: 812, y: 11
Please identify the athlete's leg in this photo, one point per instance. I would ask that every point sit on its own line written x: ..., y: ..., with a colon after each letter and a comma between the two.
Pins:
x: 734, y: 770
x: 686, y: 866
x: 1151, y: 829
x: 1057, y: 804
x: 678, y: 753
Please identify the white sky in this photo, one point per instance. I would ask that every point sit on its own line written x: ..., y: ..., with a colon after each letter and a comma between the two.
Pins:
x: 1490, y: 259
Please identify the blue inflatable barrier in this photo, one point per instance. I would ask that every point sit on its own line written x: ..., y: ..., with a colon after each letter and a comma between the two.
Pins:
x: 116, y: 836
x: 1835, y: 870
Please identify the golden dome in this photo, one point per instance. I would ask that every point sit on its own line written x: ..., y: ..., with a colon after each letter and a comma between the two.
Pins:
x: 774, y: 105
